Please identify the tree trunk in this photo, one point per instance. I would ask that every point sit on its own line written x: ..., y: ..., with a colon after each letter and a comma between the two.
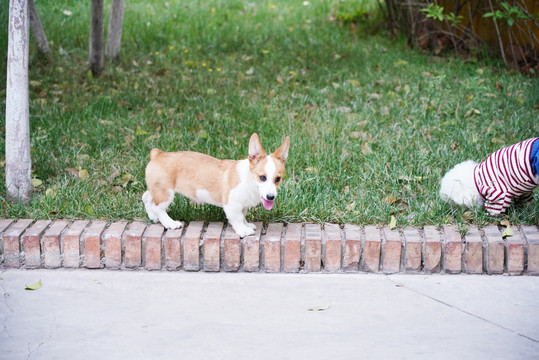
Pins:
x: 114, y: 34
x: 96, y: 37
x: 18, y: 161
x: 39, y: 33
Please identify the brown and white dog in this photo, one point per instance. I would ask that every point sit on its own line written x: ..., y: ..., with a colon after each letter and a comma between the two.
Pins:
x: 234, y: 185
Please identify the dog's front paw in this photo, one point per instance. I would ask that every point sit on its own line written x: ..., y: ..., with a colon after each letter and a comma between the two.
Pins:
x: 244, y: 231
x: 172, y: 225
x: 251, y: 225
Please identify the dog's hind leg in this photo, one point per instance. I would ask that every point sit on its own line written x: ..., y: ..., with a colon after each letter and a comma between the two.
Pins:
x: 158, y: 211
x: 148, y: 201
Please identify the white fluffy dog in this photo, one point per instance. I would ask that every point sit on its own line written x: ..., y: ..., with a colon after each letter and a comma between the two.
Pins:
x: 508, y: 173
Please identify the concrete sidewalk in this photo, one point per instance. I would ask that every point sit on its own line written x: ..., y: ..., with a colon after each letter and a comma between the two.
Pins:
x: 84, y: 314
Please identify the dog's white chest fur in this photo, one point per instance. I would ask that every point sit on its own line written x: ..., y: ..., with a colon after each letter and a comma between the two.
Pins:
x: 246, y: 192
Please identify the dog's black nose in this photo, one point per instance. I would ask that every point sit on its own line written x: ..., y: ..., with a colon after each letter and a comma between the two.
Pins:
x: 270, y: 197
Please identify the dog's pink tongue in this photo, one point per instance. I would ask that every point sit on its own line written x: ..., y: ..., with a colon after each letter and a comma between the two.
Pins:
x: 268, y: 204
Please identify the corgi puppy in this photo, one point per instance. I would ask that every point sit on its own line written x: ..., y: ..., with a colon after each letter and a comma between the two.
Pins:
x: 234, y: 185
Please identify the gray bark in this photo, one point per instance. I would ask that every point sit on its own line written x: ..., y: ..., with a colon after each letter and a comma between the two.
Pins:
x: 39, y: 33
x: 18, y: 161
x: 96, y: 59
x: 114, y: 34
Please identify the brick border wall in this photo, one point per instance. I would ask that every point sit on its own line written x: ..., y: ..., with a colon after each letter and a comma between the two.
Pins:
x: 288, y: 248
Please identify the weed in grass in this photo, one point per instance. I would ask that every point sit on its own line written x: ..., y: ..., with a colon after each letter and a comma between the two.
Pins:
x: 374, y: 125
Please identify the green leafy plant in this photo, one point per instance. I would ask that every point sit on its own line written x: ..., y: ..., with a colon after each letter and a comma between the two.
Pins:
x: 434, y: 11
x: 509, y: 14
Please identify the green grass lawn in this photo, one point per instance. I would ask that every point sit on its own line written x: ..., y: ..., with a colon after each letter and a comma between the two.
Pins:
x: 373, y: 124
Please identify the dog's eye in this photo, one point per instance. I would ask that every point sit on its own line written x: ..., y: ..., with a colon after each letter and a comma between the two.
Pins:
x: 277, y: 179
x: 262, y: 178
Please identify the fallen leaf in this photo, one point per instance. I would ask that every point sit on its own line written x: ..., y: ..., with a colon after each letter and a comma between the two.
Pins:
x: 129, y: 139
x: 390, y: 199
x: 505, y: 222
x: 400, y: 62
x: 84, y: 175
x: 353, y: 82
x: 320, y: 308
x: 374, y: 96
x: 472, y: 112
x: 393, y: 223
x: 468, y: 215
x: 410, y: 178
x: 35, y: 286
x: 507, y: 232
x: 73, y: 172
x: 36, y: 182
x: 50, y: 193
x: 114, y: 175
x: 499, y: 86
x: 366, y: 149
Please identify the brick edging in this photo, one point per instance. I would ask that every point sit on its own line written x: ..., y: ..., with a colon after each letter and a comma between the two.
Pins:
x: 291, y: 248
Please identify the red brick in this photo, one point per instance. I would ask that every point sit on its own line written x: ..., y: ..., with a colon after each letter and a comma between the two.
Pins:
x: 333, y: 251
x: 71, y: 243
x: 453, y: 250
x: 173, y: 249
x: 191, y: 246
x: 292, y: 248
x: 531, y: 234
x: 433, y: 249
x: 232, y: 250
x: 133, y: 244
x: 412, y: 250
x: 212, y: 246
x: 515, y: 253
x: 272, y: 248
x: 392, y: 252
x: 313, y: 248
x: 352, y: 247
x: 473, y: 251
x: 31, y: 240
x: 494, y: 259
x: 112, y: 238
x: 51, y: 244
x: 371, y: 251
x: 251, y: 250
x: 92, y: 244
x: 12, y: 243
x: 152, y: 246
x: 4, y: 224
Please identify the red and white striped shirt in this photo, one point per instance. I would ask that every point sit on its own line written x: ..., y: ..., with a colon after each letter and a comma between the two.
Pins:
x: 506, y: 174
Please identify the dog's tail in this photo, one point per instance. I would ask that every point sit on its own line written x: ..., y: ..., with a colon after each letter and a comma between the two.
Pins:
x: 154, y: 153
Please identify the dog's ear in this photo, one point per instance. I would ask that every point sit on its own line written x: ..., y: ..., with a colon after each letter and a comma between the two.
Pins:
x: 256, y: 151
x: 282, y: 152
